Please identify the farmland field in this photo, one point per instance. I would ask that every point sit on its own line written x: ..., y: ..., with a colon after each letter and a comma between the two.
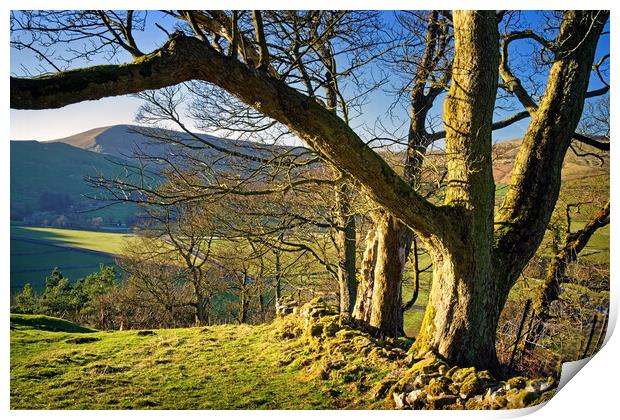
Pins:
x: 35, y: 252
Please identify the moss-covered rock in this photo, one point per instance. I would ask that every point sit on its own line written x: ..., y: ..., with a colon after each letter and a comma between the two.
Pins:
x: 459, y: 374
x: 451, y: 371
x: 518, y: 382
x: 441, y: 401
x: 474, y: 403
x: 540, y: 385
x: 354, y: 360
x: 426, y: 366
x: 472, y: 385
x: 331, y: 328
x: 345, y: 334
x: 416, y: 399
x: 438, y: 386
x: 381, y: 388
x: 523, y: 398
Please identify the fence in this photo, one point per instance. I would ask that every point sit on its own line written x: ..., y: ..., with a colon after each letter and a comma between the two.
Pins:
x: 556, y: 342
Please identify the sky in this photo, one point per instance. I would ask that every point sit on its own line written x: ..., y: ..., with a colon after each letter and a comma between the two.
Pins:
x: 72, y: 119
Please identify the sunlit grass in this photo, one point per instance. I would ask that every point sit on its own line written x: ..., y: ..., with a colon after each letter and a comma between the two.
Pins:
x: 222, y: 367
x: 111, y: 243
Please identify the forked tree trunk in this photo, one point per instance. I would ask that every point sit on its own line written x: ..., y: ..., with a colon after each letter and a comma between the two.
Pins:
x: 471, y: 281
x: 460, y: 319
x: 388, y: 270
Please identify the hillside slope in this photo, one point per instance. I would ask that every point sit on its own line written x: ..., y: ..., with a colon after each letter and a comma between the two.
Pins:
x: 310, y: 359
x: 580, y: 162
x: 223, y: 367
x: 50, y: 177
x: 126, y: 141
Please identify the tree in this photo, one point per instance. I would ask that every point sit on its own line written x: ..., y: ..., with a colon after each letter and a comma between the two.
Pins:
x: 154, y: 284
x: 550, y: 289
x: 379, y: 302
x: 189, y: 230
x: 58, y: 298
x: 26, y: 302
x: 91, y: 294
x: 477, y: 254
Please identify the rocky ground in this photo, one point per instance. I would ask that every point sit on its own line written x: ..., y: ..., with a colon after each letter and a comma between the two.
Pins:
x: 382, y: 370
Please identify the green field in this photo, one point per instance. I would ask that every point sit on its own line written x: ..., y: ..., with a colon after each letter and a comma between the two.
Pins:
x: 223, y: 367
x: 35, y: 252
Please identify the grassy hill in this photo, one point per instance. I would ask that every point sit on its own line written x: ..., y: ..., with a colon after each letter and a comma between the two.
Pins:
x: 313, y: 360
x: 35, y: 252
x: 223, y: 367
x: 44, y: 171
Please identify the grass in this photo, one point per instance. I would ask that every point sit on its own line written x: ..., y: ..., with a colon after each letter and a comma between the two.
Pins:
x: 223, y: 367
x: 35, y: 252
x: 31, y: 263
x: 111, y: 243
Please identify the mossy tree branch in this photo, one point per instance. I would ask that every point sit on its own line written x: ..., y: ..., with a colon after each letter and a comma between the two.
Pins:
x: 535, y: 183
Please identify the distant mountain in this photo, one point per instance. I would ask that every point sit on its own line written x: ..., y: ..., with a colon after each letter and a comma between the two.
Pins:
x: 47, y: 178
x: 127, y: 141
x: 48, y: 187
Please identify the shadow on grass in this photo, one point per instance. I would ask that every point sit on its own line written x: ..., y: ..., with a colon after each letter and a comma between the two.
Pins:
x: 46, y: 323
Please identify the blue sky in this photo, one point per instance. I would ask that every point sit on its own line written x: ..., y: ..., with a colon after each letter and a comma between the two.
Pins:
x: 57, y: 123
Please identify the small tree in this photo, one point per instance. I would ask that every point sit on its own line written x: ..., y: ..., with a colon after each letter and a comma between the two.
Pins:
x: 26, y: 302
x: 90, y: 294
x: 59, y: 298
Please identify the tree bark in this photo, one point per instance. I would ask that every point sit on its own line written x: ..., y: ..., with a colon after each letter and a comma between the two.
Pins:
x: 346, y: 244
x: 363, y: 302
x: 393, y: 245
x: 460, y: 322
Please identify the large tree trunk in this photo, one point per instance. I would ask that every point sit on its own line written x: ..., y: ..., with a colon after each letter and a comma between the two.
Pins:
x: 460, y: 319
x: 393, y: 245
